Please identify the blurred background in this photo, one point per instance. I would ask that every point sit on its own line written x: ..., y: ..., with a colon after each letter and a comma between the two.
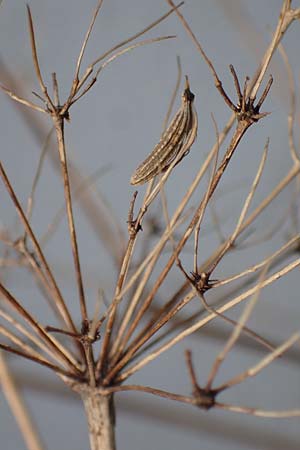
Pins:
x: 111, y: 131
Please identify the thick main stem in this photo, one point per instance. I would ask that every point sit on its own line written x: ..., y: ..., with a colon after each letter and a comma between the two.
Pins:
x: 101, y: 420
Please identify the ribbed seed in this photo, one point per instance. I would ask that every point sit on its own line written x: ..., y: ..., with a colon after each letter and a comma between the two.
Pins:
x: 178, y: 138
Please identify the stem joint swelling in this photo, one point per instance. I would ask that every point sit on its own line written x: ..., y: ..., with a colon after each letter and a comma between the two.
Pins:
x: 59, y: 113
x: 202, y: 281
x: 245, y: 109
x: 134, y: 225
x: 204, y: 398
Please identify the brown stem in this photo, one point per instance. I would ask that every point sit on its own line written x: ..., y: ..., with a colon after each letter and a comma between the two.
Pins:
x: 60, y: 301
x: 18, y: 407
x: 100, y: 417
x: 241, y: 129
x: 112, y: 316
x: 67, y: 374
x: 90, y: 363
x: 59, y: 128
x: 36, y: 61
x: 133, y: 229
x: 40, y: 331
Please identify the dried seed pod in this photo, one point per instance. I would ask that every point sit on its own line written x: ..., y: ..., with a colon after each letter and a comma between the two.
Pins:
x: 177, y: 139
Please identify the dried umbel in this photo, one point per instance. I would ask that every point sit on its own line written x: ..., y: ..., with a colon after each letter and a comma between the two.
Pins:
x: 177, y: 139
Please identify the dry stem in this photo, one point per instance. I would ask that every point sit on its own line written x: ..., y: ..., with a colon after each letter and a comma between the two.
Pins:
x: 18, y: 407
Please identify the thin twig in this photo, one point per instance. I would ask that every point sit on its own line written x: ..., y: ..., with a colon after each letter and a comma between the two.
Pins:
x: 241, y: 129
x: 111, y: 59
x: 218, y: 82
x: 260, y: 412
x: 21, y: 100
x: 82, y: 187
x: 90, y: 69
x: 18, y: 341
x: 199, y: 324
x: 62, y: 355
x: 65, y: 314
x: 283, y: 183
x: 36, y: 61
x: 84, y: 44
x: 230, y: 242
x: 267, y: 261
x: 177, y: 213
x: 236, y: 331
x: 59, y: 127
x: 199, y: 291
x: 55, y: 90
x: 135, y: 298
x: 30, y: 202
x: 32, y: 337
x: 206, y: 199
x: 291, y: 116
x: 18, y: 407
x: 286, y: 17
x: 262, y: 364
x: 51, y: 366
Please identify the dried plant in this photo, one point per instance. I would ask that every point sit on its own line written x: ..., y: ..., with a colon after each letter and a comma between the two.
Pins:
x: 97, y: 359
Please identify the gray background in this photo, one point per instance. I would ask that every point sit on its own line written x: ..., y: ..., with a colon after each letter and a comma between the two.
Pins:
x: 116, y: 125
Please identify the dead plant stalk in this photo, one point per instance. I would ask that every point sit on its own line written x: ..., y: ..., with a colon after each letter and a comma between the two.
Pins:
x: 129, y: 338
